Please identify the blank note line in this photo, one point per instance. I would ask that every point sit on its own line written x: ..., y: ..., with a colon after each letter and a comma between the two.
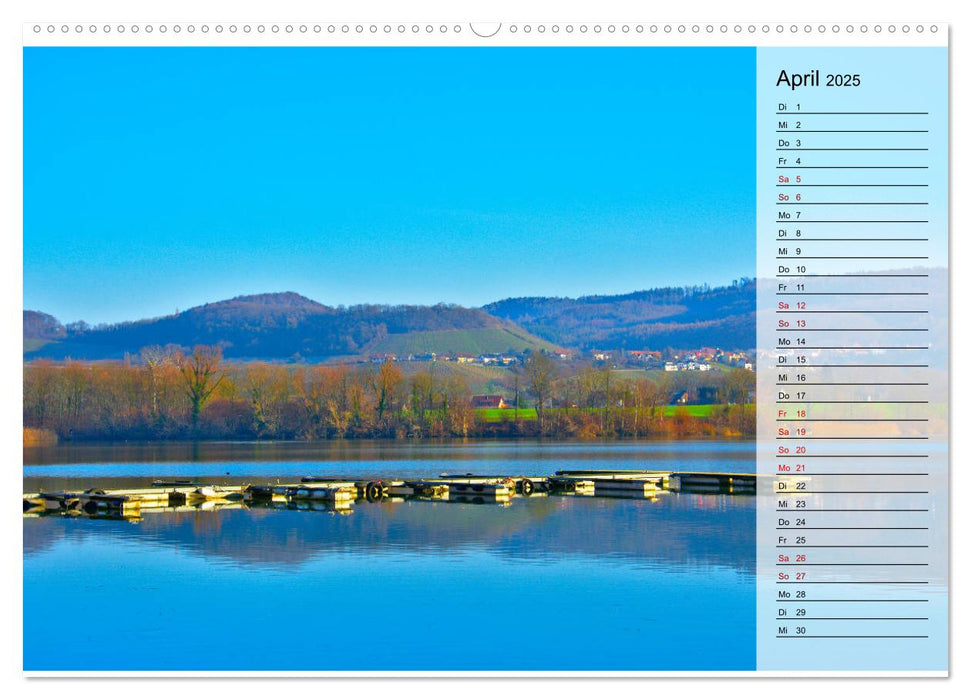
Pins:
x: 799, y: 113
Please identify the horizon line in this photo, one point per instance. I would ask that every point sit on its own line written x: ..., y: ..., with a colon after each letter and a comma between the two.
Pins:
x: 734, y: 283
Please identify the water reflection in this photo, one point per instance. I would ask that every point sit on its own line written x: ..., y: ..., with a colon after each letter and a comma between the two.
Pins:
x: 675, y: 529
x: 557, y: 582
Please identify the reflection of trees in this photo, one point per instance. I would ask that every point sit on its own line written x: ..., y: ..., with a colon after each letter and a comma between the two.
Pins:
x: 206, y: 523
x: 676, y: 530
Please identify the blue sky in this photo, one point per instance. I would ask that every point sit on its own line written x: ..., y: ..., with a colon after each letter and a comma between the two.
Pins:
x: 162, y: 178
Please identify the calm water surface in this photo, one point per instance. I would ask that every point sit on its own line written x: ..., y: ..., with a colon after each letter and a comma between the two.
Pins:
x: 365, y: 457
x: 551, y: 583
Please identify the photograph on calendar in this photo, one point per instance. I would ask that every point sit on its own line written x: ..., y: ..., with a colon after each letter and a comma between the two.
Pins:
x: 432, y: 359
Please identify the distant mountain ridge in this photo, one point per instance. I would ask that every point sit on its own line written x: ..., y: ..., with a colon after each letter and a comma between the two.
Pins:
x: 284, y: 326
x: 289, y: 326
x: 678, y: 317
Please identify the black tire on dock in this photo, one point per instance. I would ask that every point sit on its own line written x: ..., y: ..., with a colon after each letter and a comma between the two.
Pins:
x: 91, y: 507
x: 374, y: 491
x: 95, y: 492
x: 527, y: 487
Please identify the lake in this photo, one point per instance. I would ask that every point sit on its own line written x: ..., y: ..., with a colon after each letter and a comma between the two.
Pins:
x: 543, y: 583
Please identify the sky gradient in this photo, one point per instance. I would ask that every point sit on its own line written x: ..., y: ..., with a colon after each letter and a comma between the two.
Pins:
x: 162, y: 178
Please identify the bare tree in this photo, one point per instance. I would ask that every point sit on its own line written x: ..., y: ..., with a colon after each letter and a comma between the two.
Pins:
x: 422, y: 399
x: 155, y: 358
x: 737, y: 386
x: 540, y: 373
x: 602, y: 383
x: 384, y: 383
x: 40, y: 386
x: 337, y: 393
x: 267, y: 387
x: 456, y: 410
x: 516, y: 372
x: 201, y: 374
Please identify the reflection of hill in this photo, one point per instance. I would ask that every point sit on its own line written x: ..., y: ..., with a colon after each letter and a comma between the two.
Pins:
x: 713, y: 530
x: 40, y: 534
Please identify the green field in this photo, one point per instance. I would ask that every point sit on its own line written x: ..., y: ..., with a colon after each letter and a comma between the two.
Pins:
x: 474, y: 342
x: 496, y: 415
x: 699, y: 411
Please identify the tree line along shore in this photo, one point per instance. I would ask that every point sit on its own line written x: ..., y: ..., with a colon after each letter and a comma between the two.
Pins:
x: 172, y: 395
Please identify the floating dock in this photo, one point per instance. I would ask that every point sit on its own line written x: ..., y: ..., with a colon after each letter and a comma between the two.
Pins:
x: 690, y: 482
x: 336, y: 494
x: 130, y: 501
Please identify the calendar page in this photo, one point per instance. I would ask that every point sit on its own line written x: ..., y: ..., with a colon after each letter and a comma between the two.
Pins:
x: 496, y: 349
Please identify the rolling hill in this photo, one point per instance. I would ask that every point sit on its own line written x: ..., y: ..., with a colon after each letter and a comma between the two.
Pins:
x: 285, y: 326
x: 678, y: 317
x: 288, y: 326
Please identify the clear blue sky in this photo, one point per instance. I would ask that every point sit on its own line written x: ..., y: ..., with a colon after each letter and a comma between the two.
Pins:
x: 162, y: 178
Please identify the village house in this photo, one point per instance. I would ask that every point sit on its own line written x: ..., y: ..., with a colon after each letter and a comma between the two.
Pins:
x: 734, y: 359
x: 690, y: 366
x: 679, y: 398
x: 488, y: 401
x: 496, y: 359
x: 644, y: 355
